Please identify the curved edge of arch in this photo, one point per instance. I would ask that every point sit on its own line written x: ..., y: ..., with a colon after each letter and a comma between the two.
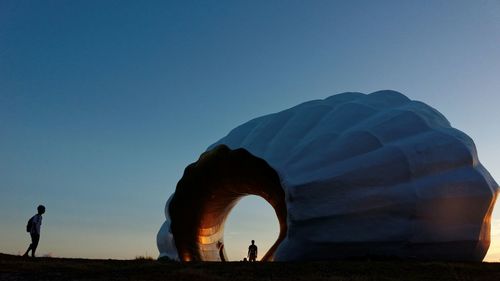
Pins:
x: 207, y: 192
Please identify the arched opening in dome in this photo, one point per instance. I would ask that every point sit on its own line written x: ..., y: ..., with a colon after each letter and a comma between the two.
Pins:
x: 251, y: 219
x: 208, y: 191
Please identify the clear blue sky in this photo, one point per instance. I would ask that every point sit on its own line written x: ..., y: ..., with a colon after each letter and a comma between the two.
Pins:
x: 104, y: 103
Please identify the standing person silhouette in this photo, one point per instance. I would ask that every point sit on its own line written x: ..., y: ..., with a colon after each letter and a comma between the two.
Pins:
x: 252, y: 252
x: 33, y: 227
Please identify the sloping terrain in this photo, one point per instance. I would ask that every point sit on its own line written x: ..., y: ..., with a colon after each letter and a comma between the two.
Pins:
x: 18, y: 268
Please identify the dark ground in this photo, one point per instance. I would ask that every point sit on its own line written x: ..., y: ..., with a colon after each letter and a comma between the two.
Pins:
x: 18, y: 268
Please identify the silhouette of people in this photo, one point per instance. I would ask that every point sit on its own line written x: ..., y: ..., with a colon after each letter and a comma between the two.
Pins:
x: 220, y: 245
x: 252, y: 252
x: 34, y: 230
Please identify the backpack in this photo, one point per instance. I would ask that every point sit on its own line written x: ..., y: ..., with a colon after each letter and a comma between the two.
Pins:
x: 29, y: 225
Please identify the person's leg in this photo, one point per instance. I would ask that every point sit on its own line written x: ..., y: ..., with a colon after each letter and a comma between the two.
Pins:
x: 30, y: 247
x: 34, y: 238
x: 27, y: 251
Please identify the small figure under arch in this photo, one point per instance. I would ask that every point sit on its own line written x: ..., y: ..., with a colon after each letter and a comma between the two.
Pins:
x: 252, y: 252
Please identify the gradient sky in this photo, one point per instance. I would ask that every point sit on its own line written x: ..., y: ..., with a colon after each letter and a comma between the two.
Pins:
x: 104, y: 103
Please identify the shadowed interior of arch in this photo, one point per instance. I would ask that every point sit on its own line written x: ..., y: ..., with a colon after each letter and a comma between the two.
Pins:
x: 207, y: 192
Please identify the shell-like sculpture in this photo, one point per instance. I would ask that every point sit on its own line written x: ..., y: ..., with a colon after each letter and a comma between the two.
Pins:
x: 352, y: 175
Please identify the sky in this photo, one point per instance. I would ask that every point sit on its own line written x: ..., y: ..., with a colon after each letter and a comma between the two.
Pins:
x: 104, y: 103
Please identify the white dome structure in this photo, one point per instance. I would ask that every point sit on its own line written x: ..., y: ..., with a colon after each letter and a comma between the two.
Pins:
x: 349, y: 176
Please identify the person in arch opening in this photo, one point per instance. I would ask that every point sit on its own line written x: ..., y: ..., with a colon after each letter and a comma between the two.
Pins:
x: 220, y: 246
x: 33, y: 227
x: 252, y: 252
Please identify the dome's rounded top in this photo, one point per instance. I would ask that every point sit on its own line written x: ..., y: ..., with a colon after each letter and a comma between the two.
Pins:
x: 338, y: 127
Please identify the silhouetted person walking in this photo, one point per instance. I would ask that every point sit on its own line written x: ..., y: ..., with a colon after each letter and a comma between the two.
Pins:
x: 33, y: 227
x: 252, y: 252
x: 220, y: 245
